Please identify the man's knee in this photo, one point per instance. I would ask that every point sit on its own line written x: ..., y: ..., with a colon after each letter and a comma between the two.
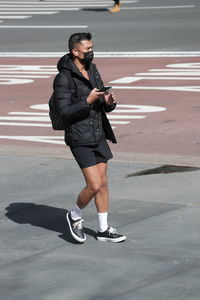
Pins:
x: 95, y: 187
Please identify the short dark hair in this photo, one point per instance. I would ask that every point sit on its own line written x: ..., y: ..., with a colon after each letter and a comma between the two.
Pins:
x: 77, y: 38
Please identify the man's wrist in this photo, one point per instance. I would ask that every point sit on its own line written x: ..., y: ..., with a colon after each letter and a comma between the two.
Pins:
x: 88, y: 101
x: 88, y: 104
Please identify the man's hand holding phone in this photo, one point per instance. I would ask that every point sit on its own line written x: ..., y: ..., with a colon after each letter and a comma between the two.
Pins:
x: 94, y: 95
x: 105, y: 88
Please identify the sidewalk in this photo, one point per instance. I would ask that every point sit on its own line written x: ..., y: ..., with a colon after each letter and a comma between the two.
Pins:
x: 159, y: 213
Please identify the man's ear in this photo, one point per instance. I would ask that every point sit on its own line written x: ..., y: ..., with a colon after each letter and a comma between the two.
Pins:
x: 75, y: 52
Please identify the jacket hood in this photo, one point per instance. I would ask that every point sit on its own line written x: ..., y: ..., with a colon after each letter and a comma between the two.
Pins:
x: 65, y: 62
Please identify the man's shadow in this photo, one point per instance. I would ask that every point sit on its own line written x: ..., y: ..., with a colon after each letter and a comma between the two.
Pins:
x: 44, y: 216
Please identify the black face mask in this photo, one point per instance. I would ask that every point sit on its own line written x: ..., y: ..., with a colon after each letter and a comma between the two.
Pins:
x: 88, y: 57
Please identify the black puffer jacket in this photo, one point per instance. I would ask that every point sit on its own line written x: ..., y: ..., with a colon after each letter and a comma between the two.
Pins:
x: 86, y: 124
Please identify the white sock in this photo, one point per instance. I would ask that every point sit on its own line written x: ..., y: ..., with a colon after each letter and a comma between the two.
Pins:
x: 103, y: 221
x: 76, y: 213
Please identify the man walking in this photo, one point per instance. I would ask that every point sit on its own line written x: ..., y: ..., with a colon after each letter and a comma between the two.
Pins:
x: 82, y: 107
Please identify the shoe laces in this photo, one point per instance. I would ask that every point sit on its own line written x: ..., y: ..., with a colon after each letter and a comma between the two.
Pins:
x: 78, y: 224
x: 112, y: 230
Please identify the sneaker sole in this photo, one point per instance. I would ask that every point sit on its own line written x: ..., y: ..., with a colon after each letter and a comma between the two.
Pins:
x: 117, y: 240
x: 72, y: 233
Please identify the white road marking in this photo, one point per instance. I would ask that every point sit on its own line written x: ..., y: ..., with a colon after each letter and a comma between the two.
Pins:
x: 24, y: 124
x: 32, y: 119
x: 158, y: 7
x: 26, y: 73
x: 30, y: 12
x: 127, y: 79
x: 39, y: 139
x: 22, y: 113
x: 14, y: 81
x: 23, y: 76
x: 28, y: 67
x: 43, y: 3
x: 119, y: 122
x: 134, y: 79
x: 50, y: 8
x: 15, y: 17
x: 42, y: 26
x: 108, y: 54
x: 42, y: 120
x: 162, y: 88
x: 174, y: 72
x: 131, y: 108
x: 110, y: 116
x: 171, y: 73
x: 59, y: 4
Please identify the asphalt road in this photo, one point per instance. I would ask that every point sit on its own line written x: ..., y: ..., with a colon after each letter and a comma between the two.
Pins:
x: 145, y: 25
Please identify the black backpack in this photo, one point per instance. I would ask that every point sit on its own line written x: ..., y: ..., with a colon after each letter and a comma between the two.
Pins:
x: 56, y: 120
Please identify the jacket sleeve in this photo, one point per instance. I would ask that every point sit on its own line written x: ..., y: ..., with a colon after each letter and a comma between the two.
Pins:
x: 109, y: 108
x: 64, y: 93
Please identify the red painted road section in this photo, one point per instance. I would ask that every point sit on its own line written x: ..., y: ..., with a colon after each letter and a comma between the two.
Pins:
x: 175, y: 131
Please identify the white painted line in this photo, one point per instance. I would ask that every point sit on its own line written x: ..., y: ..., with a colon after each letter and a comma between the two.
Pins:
x: 108, y: 54
x: 40, y: 139
x: 32, y: 119
x: 58, y: 4
x: 158, y: 7
x: 180, y: 68
x: 43, y: 3
x: 30, y: 12
x: 191, y: 65
x: 7, y: 81
x: 50, y: 6
x: 141, y: 108
x: 119, y: 117
x: 28, y: 72
x: 160, y: 78
x: 28, y: 68
x: 162, y: 88
x: 148, y: 54
x: 15, y: 17
x: 119, y: 122
x: 20, y: 113
x: 70, y: 7
x: 22, y: 76
x: 83, y: 1
x: 126, y: 80
x: 42, y: 26
x: 179, y: 73
x: 46, y: 118
x: 24, y: 124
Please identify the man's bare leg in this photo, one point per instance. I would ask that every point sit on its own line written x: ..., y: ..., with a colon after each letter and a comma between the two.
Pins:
x: 94, y: 181
x: 102, y: 196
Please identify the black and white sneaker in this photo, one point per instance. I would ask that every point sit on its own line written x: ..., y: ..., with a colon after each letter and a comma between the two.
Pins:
x: 76, y: 228
x: 110, y: 235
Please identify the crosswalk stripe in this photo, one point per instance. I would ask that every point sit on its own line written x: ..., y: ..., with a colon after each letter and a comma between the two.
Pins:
x: 30, y: 12
x: 23, y: 9
x: 71, y: 7
x: 41, y: 26
x: 15, y: 17
x: 11, y: 3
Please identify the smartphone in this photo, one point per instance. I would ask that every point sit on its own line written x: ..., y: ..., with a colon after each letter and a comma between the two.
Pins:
x: 104, y: 88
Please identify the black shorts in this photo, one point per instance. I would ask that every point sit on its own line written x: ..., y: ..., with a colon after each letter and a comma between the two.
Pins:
x: 87, y: 156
